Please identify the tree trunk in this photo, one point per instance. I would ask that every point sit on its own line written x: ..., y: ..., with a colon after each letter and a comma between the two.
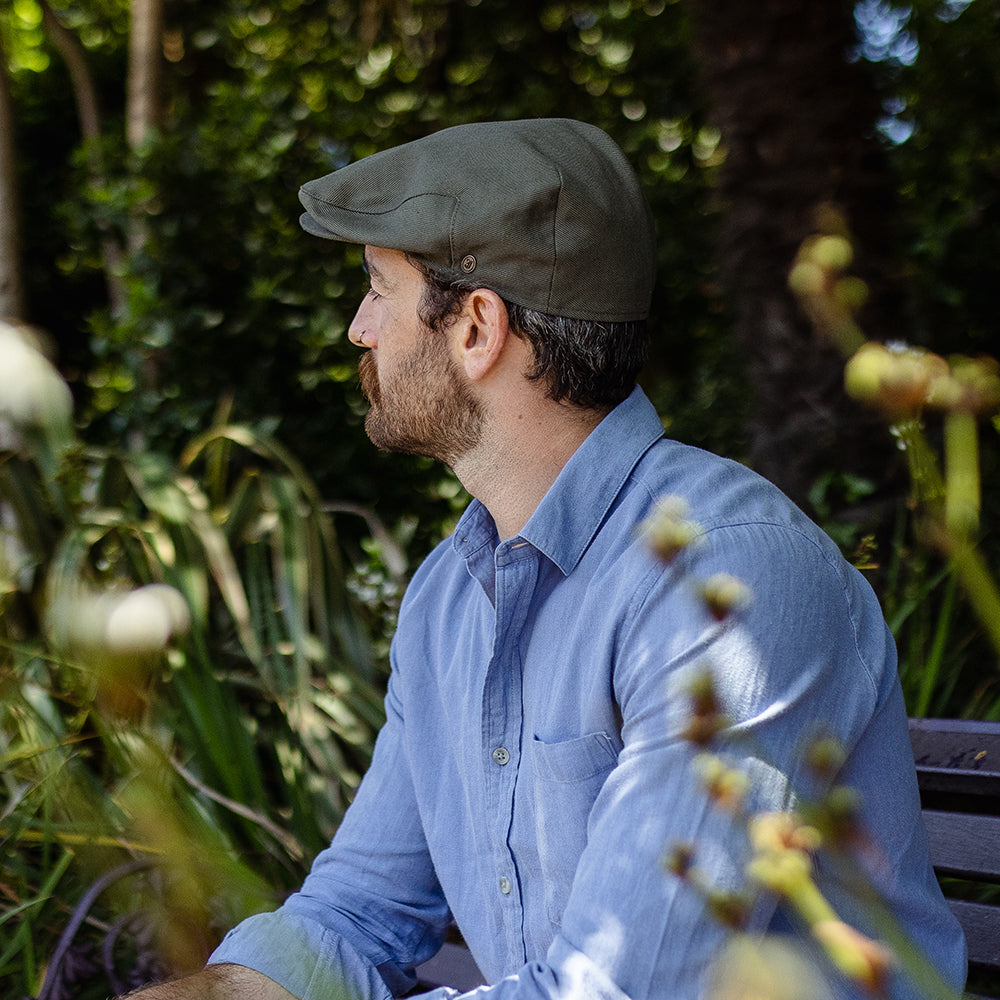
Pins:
x: 797, y: 121
x: 142, y: 105
x: 12, y: 304
x: 145, y: 54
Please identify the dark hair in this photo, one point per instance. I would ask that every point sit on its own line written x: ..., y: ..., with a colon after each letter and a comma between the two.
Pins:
x: 587, y: 363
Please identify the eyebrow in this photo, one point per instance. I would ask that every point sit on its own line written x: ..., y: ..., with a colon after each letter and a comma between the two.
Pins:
x: 370, y: 269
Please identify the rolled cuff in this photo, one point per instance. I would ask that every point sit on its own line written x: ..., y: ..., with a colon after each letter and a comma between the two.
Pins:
x: 311, y: 962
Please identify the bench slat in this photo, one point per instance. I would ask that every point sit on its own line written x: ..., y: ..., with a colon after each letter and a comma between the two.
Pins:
x: 981, y: 923
x: 964, y: 844
x: 957, y: 758
x: 956, y: 744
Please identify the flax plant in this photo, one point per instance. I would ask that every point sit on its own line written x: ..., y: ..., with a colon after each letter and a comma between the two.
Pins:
x: 784, y: 850
x: 914, y: 388
x: 188, y: 690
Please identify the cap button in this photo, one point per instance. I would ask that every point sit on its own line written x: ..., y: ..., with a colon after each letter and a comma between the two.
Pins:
x: 468, y: 263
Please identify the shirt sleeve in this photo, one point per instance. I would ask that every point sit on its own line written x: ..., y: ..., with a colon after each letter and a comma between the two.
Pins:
x: 808, y: 654
x: 369, y: 911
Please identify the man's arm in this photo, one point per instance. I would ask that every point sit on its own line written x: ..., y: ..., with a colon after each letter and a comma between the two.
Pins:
x: 217, y: 982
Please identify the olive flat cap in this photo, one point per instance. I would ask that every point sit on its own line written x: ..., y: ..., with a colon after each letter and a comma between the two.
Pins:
x: 546, y: 212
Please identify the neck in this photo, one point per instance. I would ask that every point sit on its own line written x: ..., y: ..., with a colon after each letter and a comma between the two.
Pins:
x: 523, y: 449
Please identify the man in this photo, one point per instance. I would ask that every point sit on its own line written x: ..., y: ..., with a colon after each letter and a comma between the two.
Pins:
x: 532, y: 773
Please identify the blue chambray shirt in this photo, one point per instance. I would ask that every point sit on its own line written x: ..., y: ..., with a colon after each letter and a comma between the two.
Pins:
x: 531, y: 777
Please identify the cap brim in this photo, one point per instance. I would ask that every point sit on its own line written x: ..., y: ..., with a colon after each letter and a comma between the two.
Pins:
x: 310, y: 225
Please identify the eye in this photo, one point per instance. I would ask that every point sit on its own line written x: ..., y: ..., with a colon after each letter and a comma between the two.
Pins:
x: 373, y: 295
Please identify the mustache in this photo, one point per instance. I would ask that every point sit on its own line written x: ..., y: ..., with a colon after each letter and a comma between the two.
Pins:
x: 368, y: 374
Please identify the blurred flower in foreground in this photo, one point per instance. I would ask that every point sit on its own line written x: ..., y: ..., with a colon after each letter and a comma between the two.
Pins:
x: 972, y: 386
x: 136, y: 622
x: 783, y: 849
x: 727, y: 786
x: 769, y: 968
x: 730, y: 908
x: 818, y: 278
x: 32, y: 393
x: 120, y: 637
x: 706, y: 718
x: 724, y: 594
x: 902, y: 380
x: 896, y: 378
x: 668, y: 528
x: 145, y: 620
x: 781, y: 862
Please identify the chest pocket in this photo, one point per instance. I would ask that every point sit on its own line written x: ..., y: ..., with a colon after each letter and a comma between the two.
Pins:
x: 568, y: 776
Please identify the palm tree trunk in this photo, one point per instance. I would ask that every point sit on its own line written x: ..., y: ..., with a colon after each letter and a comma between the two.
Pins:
x: 797, y: 121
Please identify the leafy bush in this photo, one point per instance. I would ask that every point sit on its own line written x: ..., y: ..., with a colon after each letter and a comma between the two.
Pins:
x: 188, y: 689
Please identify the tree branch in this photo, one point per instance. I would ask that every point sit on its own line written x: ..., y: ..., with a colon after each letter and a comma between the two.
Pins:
x: 11, y: 273
x: 88, y: 110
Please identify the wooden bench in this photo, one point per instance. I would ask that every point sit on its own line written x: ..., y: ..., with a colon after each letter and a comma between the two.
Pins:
x: 452, y: 966
x: 958, y: 770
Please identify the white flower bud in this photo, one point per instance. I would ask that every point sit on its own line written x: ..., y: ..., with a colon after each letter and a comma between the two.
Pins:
x: 143, y: 622
x: 32, y: 393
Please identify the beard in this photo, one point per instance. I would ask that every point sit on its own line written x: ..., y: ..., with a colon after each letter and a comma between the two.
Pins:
x: 423, y: 407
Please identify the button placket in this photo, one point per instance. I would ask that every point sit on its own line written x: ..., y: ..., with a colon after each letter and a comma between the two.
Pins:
x: 515, y: 576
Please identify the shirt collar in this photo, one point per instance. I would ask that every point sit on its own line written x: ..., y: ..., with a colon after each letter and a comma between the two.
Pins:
x: 569, y: 515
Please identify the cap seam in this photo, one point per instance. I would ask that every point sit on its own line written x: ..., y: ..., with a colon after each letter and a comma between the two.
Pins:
x: 457, y: 202
x: 555, y: 244
x: 388, y: 211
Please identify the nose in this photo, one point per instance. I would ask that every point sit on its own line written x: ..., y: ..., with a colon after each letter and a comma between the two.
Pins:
x: 362, y: 326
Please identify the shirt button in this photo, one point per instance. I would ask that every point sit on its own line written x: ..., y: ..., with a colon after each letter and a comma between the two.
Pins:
x: 501, y: 755
x: 504, y: 885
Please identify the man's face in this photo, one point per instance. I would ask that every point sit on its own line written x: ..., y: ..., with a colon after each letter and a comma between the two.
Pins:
x: 421, y: 402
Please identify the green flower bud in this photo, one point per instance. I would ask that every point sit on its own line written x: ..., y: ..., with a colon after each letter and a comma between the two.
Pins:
x: 680, y: 859
x: 667, y: 530
x: 832, y: 253
x: 807, y: 278
x: 726, y: 786
x: 865, y: 371
x: 825, y: 757
x: 723, y: 594
x: 851, y: 293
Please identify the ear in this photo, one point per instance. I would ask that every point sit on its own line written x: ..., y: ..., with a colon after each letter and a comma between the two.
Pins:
x: 482, y: 328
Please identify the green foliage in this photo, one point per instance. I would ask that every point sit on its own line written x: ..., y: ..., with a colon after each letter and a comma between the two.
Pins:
x: 228, y: 295
x: 185, y: 677
x: 940, y: 546
x: 947, y: 173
